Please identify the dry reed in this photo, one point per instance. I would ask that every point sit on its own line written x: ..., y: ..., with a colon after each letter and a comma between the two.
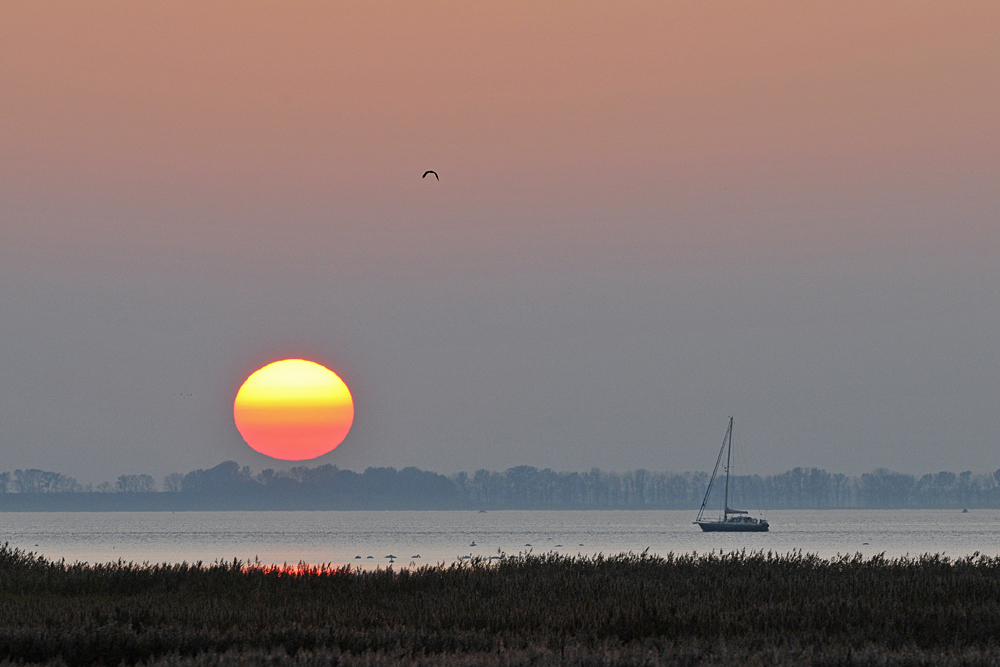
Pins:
x: 712, y: 609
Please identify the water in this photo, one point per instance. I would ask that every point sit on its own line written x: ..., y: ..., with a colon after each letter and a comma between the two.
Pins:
x: 337, y: 537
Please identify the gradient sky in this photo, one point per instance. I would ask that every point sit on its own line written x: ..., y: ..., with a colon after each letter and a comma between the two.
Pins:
x: 649, y: 218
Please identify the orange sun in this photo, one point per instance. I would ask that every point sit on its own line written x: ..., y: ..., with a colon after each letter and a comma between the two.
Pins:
x: 294, y: 410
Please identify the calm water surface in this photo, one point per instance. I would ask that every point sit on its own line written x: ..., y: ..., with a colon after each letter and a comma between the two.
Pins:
x: 338, y: 537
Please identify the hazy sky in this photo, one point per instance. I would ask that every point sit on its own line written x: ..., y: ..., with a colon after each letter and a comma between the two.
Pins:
x: 649, y: 218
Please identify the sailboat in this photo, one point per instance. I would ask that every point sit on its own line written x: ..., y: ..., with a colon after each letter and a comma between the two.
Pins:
x: 731, y: 521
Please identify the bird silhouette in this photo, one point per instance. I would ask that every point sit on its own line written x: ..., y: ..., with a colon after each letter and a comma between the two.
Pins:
x: 429, y: 171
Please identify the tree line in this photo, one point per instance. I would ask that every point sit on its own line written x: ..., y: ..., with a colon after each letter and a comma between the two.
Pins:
x: 230, y: 486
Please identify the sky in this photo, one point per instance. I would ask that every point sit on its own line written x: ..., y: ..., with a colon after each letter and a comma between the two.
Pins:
x: 650, y: 216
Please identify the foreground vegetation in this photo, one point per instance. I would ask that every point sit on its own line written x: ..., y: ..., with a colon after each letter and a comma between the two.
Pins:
x: 715, y: 609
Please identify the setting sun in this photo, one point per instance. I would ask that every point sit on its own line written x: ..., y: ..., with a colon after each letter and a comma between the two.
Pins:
x: 294, y: 410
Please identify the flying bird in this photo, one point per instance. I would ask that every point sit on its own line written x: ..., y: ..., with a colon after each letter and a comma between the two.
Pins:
x: 430, y: 171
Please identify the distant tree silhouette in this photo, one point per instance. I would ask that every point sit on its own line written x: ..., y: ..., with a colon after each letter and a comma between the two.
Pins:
x: 172, y: 483
x: 42, y: 481
x: 225, y: 479
x: 230, y: 486
x: 135, y: 484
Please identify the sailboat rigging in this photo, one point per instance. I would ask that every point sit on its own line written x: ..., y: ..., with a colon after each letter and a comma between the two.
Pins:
x: 736, y: 521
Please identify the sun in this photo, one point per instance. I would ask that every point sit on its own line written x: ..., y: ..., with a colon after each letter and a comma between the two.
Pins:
x: 294, y: 410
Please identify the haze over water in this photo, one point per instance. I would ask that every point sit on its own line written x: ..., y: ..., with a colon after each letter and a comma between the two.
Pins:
x: 337, y: 537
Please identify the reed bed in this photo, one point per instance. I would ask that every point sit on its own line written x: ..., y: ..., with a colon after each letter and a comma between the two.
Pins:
x: 710, y: 609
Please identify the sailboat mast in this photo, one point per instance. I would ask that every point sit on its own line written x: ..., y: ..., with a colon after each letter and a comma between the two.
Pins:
x: 711, y: 480
x: 729, y: 455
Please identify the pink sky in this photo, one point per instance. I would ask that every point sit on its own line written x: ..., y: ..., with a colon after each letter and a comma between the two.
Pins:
x: 335, y: 103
